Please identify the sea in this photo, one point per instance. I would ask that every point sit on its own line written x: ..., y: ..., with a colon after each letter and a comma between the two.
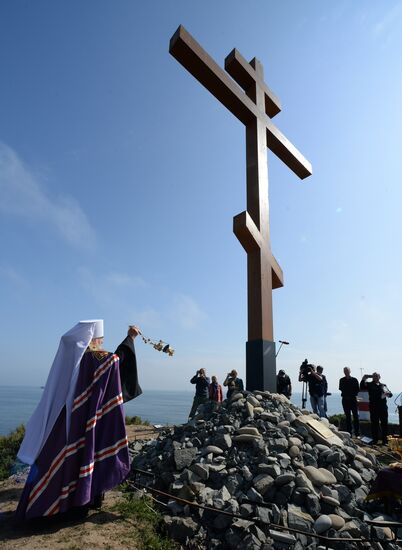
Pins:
x: 17, y: 403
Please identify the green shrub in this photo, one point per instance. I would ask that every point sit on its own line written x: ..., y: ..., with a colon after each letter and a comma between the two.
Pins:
x: 336, y: 419
x: 148, y: 524
x: 9, y: 445
x: 136, y: 420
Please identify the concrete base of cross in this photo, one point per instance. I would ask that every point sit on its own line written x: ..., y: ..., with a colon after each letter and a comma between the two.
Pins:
x: 260, y: 365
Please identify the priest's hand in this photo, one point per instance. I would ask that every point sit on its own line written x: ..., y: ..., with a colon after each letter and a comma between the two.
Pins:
x: 133, y: 331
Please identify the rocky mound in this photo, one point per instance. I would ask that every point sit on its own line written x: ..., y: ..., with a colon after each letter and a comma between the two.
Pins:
x: 264, y: 461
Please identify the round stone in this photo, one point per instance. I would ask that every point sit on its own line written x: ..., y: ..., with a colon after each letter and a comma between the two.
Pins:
x: 335, y: 457
x: 295, y: 441
x: 284, y: 479
x: 319, y: 476
x: 321, y: 448
x: 337, y: 521
x: 356, y: 477
x: 294, y: 451
x: 365, y: 461
x: 322, y: 524
x: 290, y: 417
x: 236, y: 396
x: 251, y: 430
x: 250, y: 410
x: 253, y: 401
x: 212, y: 449
x: 330, y: 500
x: 283, y: 424
x: 329, y: 476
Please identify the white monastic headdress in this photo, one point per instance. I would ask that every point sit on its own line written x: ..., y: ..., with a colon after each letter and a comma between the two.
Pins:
x: 60, y: 387
x: 98, y: 327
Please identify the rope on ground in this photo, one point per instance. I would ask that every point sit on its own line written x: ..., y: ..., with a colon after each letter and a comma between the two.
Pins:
x: 326, y: 540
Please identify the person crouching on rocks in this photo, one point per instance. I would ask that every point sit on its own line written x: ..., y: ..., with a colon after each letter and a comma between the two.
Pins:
x: 233, y: 383
x: 215, y: 393
x: 283, y: 384
x: 201, y: 382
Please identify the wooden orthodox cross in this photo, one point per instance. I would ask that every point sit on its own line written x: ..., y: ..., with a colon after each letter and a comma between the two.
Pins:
x: 253, y: 103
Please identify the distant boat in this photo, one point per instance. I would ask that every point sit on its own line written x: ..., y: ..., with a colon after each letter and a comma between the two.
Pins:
x: 42, y: 387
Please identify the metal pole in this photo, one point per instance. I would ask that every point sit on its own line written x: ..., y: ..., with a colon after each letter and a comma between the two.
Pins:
x: 281, y: 344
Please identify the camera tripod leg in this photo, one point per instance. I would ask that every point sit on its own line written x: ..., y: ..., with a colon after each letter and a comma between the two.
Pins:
x: 304, y: 395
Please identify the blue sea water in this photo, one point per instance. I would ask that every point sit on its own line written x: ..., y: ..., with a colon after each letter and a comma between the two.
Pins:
x: 158, y: 406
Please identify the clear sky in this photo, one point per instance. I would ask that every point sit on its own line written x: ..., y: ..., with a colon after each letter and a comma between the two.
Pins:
x: 120, y: 175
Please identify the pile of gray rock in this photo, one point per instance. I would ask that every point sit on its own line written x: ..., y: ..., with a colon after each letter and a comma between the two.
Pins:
x: 259, y: 459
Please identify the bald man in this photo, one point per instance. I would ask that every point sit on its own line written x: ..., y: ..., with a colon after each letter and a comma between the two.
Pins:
x: 349, y: 388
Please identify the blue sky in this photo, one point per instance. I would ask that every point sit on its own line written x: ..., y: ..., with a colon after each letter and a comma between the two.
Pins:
x: 120, y: 175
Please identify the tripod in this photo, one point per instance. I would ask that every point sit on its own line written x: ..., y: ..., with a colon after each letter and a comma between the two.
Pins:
x: 304, y: 395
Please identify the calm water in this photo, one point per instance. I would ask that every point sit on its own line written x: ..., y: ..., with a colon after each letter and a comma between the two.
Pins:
x: 159, y: 407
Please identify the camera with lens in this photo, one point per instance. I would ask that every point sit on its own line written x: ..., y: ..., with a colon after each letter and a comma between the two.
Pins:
x: 305, y: 369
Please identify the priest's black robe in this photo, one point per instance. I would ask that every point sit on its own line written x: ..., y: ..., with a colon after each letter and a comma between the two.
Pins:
x: 130, y: 386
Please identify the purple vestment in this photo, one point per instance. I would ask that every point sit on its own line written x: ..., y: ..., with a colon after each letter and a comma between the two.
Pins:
x: 72, y: 469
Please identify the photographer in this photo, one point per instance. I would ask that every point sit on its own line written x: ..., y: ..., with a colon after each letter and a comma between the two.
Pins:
x: 320, y: 371
x: 201, y: 382
x: 233, y: 383
x: 378, y: 394
x: 316, y: 387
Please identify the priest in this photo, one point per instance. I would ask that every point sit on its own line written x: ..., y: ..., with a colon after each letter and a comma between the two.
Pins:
x: 76, y: 439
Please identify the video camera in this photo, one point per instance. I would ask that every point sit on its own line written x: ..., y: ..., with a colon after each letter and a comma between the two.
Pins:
x: 305, y: 369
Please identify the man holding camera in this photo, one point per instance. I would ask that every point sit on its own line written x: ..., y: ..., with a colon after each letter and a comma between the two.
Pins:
x: 316, y: 387
x: 233, y: 383
x: 201, y: 382
x: 378, y: 394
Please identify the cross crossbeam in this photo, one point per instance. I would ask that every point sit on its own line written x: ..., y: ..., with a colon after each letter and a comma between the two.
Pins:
x: 195, y: 59
x: 242, y: 90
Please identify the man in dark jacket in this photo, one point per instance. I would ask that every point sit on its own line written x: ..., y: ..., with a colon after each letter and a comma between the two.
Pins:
x: 316, y: 388
x: 320, y: 371
x: 283, y: 384
x: 378, y: 394
x: 233, y: 383
x: 201, y: 382
x: 349, y: 388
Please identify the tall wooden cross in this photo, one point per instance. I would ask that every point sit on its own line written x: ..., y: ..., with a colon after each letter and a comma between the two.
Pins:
x: 246, y: 95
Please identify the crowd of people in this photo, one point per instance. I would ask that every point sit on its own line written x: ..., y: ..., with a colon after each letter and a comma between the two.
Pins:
x: 350, y: 388
x: 210, y: 390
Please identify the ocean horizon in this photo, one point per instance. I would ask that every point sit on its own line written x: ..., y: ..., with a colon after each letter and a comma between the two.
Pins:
x: 167, y: 407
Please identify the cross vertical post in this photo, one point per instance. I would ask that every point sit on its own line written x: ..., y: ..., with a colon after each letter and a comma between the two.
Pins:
x: 260, y: 347
x: 247, y: 96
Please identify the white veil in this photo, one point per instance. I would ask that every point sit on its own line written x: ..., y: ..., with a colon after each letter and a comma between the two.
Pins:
x: 59, y: 390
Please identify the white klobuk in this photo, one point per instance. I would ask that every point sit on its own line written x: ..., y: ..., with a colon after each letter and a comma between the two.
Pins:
x: 60, y: 387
